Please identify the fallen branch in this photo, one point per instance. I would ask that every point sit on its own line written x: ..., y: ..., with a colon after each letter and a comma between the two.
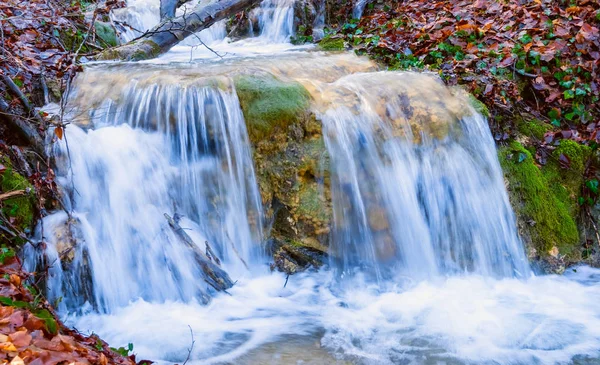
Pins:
x: 12, y: 194
x: 214, y: 275
x: 211, y: 254
x: 191, y: 347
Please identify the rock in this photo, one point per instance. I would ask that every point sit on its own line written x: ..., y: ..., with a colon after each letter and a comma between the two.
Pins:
x: 291, y: 163
x: 292, y: 257
x: 378, y: 220
x: 544, y: 199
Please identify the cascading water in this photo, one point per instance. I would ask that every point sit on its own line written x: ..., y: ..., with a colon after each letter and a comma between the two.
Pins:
x: 415, y: 187
x: 276, y: 20
x: 161, y: 149
x: 136, y: 18
x: 358, y: 9
x: 426, y: 264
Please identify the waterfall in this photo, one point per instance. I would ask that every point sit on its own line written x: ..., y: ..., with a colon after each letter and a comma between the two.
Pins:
x: 416, y: 187
x: 425, y: 262
x: 358, y: 9
x: 276, y: 20
x: 136, y: 18
x: 159, y: 149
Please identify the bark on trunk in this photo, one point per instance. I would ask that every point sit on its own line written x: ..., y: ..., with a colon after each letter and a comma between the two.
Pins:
x: 171, y: 31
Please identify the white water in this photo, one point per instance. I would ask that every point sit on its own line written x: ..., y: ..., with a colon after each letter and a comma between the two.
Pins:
x: 451, y: 287
x: 164, y: 150
x: 359, y: 7
x: 410, y: 202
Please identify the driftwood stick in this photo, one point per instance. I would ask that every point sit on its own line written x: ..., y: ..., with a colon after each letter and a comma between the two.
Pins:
x: 214, y: 275
x: 211, y: 254
x: 12, y: 194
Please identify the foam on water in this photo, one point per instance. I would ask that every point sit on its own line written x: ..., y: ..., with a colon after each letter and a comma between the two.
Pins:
x: 455, y: 320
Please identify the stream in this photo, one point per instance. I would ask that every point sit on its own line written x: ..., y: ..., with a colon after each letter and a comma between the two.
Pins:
x: 426, y: 265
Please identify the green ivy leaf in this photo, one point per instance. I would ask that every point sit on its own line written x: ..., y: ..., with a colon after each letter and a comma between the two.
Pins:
x: 569, y: 94
x: 48, y: 319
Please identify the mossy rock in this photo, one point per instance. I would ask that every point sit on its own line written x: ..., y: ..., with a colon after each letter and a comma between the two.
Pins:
x: 20, y: 209
x: 269, y: 103
x: 566, y: 181
x: 330, y: 43
x: 545, y: 215
x: 533, y: 128
x: 479, y: 106
x: 311, y: 203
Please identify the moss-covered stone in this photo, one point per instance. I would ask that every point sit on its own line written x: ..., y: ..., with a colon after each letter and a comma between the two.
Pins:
x: 136, y: 51
x: 545, y: 217
x: 565, y: 172
x: 533, y: 128
x: 269, y: 103
x: 19, y: 209
x: 291, y: 163
x: 332, y: 44
x: 479, y: 106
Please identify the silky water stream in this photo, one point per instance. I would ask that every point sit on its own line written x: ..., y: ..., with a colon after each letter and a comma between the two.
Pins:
x: 425, y: 267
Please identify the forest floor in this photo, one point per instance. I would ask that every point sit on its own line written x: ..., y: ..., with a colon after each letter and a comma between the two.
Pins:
x: 30, y: 332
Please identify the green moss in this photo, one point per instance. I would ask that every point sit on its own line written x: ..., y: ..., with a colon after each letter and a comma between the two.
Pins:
x: 551, y: 222
x: 107, y: 33
x: 566, y: 180
x: 311, y: 202
x: 269, y: 103
x: 533, y: 128
x: 19, y: 209
x: 332, y: 44
x: 479, y: 106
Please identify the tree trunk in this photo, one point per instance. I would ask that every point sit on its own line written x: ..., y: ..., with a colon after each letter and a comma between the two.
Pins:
x: 171, y: 31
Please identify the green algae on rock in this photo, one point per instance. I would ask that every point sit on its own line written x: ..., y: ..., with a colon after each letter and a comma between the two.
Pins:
x: 19, y: 209
x: 543, y: 200
x: 330, y: 43
x: 269, y: 103
x: 291, y: 165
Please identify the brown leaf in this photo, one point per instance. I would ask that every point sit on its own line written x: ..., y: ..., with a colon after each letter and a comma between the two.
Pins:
x: 59, y: 132
x: 20, y: 338
x: 588, y: 32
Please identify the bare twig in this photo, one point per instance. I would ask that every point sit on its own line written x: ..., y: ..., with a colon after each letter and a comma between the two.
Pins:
x: 593, y: 225
x: 191, y: 347
x: 12, y: 194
